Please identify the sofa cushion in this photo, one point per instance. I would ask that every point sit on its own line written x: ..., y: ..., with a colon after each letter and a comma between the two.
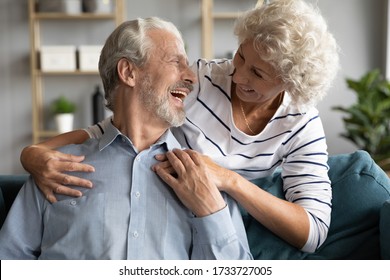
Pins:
x: 359, y: 189
x: 384, y: 228
x: 262, y: 242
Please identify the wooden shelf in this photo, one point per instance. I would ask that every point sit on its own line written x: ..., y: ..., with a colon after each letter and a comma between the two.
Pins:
x: 66, y: 73
x: 82, y: 16
x: 208, y: 17
x: 37, y: 76
x: 47, y: 133
x: 231, y: 15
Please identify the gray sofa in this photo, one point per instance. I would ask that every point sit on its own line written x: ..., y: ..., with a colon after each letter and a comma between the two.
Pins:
x: 360, y: 226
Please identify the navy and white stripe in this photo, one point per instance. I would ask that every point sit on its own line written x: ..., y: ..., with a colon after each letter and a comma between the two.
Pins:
x: 292, y: 140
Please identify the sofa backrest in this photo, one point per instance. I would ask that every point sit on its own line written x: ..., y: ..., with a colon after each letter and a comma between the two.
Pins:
x: 9, y: 188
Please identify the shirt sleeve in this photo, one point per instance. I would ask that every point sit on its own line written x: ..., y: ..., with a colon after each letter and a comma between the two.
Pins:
x: 96, y: 131
x: 21, y: 233
x: 221, y: 235
x: 305, y: 178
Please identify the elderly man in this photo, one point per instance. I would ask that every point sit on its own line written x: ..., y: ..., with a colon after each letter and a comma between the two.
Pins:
x: 131, y: 213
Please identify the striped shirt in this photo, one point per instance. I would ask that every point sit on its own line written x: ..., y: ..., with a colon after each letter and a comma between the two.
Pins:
x: 292, y: 140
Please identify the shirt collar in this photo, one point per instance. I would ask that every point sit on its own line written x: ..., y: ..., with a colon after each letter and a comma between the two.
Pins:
x: 111, y: 133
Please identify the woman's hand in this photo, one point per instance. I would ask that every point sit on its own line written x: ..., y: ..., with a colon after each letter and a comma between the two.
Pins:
x: 188, y: 176
x: 219, y: 175
x: 47, y: 167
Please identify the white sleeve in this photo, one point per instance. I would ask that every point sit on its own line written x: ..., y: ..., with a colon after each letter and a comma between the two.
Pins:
x: 96, y: 131
x: 306, y: 180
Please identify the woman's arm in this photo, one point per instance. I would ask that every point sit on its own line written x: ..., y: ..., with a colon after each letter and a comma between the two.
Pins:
x: 287, y: 220
x: 302, y: 219
x: 47, y: 165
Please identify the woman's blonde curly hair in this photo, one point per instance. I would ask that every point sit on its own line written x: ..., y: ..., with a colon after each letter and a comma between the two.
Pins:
x: 295, y: 40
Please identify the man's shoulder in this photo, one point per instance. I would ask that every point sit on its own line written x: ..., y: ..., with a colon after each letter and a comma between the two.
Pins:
x: 87, y: 147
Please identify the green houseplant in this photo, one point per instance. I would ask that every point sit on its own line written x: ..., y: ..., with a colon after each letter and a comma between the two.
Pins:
x: 367, y: 121
x: 64, y: 109
x: 62, y: 105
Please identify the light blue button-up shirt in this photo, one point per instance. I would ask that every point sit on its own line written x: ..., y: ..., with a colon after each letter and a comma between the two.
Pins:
x: 128, y: 214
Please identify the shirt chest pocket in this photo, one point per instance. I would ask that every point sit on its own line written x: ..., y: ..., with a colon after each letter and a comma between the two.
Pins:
x: 75, y: 227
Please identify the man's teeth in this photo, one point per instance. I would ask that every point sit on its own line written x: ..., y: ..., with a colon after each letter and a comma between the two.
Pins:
x: 179, y: 95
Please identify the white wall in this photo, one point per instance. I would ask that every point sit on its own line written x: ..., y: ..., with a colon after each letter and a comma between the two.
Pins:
x: 360, y: 29
x: 358, y: 25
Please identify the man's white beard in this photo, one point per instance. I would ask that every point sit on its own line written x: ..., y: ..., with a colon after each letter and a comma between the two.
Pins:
x: 160, y: 105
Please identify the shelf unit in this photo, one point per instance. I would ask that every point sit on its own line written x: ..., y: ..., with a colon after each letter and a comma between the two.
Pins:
x: 37, y: 76
x: 208, y: 17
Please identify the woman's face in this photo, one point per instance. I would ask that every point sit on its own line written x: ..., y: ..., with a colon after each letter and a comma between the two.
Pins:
x: 256, y: 80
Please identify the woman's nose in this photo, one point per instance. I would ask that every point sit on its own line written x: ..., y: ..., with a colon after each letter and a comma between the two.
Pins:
x: 240, y: 76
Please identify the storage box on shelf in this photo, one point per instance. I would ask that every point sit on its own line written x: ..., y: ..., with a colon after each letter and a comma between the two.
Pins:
x: 58, y: 58
x: 60, y: 6
x: 89, y: 57
x: 98, y: 6
x: 61, y: 60
x: 75, y: 6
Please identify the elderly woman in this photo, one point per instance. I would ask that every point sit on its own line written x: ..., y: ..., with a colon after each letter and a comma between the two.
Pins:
x: 248, y: 117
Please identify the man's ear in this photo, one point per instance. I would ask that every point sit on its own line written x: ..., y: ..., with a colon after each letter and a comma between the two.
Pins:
x: 126, y: 71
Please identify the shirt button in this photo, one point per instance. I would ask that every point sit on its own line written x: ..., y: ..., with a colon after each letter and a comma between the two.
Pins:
x: 73, y: 202
x: 135, y: 234
x: 137, y: 194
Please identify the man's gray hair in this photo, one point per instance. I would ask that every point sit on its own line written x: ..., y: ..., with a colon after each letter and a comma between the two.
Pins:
x: 129, y: 40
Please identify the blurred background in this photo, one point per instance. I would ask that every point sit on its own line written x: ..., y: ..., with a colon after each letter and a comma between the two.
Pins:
x: 359, y: 26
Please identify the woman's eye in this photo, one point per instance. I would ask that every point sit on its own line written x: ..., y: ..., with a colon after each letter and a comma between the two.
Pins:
x: 257, y: 73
